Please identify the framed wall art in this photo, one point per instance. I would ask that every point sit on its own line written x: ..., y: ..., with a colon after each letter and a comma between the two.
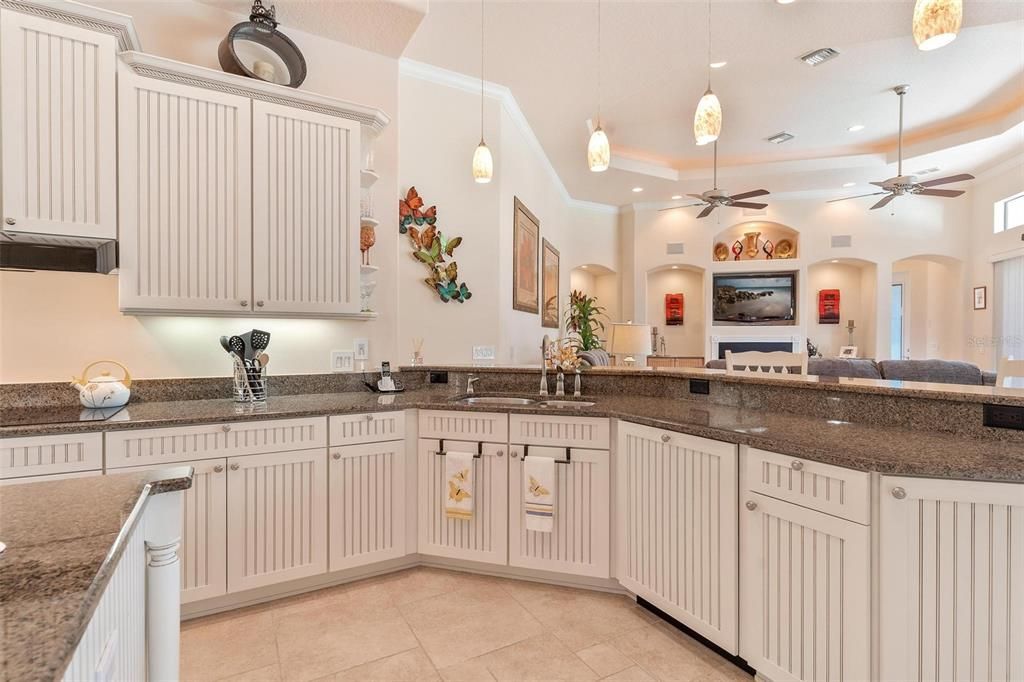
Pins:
x: 980, y: 298
x: 674, y: 309
x: 828, y: 306
x: 525, y: 259
x: 549, y: 285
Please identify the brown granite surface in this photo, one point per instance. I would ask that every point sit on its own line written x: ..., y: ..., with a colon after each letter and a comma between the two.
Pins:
x: 859, y: 445
x: 64, y: 539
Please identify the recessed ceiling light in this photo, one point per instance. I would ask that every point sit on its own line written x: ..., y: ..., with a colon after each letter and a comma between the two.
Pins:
x: 835, y: 261
x: 856, y: 128
x: 675, y: 267
x: 638, y: 189
x: 784, y: 2
x: 849, y: 184
x: 717, y: 65
x: 677, y: 197
x: 584, y: 266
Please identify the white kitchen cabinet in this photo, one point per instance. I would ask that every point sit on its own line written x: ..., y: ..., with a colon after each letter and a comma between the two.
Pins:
x: 277, y: 517
x: 305, y: 211
x: 185, y: 193
x: 805, y: 586
x: 58, y: 127
x: 366, y: 501
x: 482, y: 538
x: 677, y: 527
x: 579, y: 542
x: 951, y: 580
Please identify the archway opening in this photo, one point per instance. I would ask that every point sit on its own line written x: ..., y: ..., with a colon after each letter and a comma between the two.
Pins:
x: 674, y: 307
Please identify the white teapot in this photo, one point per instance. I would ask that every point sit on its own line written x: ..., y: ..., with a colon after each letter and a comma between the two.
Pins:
x: 103, y: 390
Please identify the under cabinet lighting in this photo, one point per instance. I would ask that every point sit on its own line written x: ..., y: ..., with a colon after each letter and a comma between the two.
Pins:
x: 856, y: 128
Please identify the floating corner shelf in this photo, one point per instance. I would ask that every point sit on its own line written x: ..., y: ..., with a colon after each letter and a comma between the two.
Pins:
x: 367, y: 178
x: 368, y: 269
x: 368, y: 221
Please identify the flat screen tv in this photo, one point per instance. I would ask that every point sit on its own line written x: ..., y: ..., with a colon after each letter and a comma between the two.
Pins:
x: 763, y: 298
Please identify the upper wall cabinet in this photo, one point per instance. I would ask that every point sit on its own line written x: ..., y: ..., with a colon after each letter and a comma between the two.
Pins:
x: 58, y: 126
x: 236, y: 196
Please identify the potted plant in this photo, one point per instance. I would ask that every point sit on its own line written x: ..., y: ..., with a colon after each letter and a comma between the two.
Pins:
x: 582, y: 320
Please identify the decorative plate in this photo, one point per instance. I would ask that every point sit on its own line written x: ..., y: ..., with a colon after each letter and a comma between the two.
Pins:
x: 784, y: 249
x: 721, y: 251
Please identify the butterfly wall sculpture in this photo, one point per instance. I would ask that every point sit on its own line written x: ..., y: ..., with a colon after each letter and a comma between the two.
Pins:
x: 432, y: 248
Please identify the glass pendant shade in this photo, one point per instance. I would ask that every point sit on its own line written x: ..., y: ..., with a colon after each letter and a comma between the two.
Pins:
x: 936, y: 22
x: 707, y: 122
x: 483, y: 164
x: 599, y: 153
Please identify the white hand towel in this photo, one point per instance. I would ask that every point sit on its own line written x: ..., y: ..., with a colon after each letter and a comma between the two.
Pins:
x: 458, y: 494
x: 539, y: 493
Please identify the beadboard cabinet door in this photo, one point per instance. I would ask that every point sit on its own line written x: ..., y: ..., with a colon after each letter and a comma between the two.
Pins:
x: 952, y: 580
x: 366, y: 499
x: 677, y: 527
x: 805, y: 586
x: 305, y: 211
x: 482, y: 538
x: 185, y: 198
x: 57, y: 88
x: 277, y: 517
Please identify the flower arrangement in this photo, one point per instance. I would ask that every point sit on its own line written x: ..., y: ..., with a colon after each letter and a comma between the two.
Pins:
x: 561, y: 355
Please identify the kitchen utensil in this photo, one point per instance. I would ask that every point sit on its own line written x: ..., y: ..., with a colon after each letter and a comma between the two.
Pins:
x: 263, y: 359
x: 103, y: 390
x: 224, y: 344
x: 237, y: 346
x: 259, y: 340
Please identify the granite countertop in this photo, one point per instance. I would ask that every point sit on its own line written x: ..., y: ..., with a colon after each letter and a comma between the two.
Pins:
x: 64, y: 539
x: 858, y: 445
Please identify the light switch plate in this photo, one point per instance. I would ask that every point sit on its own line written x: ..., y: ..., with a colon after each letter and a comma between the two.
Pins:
x: 343, y: 361
x: 483, y: 353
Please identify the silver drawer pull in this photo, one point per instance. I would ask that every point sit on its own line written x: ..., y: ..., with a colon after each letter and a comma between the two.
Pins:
x: 751, y: 505
x: 234, y: 467
x: 218, y: 468
x: 665, y: 438
x: 336, y: 455
x: 899, y: 493
x: 797, y: 465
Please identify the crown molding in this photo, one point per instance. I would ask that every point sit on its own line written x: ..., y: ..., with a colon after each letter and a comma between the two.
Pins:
x: 116, y: 24
x: 188, y: 74
x: 459, y: 81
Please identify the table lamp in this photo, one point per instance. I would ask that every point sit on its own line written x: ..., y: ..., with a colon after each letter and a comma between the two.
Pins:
x: 631, y: 340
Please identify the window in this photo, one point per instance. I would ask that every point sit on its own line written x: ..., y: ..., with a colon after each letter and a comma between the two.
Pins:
x: 1009, y: 213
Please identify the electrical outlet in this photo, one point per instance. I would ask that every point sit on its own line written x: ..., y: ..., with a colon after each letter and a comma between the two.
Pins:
x: 438, y: 377
x: 1003, y: 416
x: 700, y: 386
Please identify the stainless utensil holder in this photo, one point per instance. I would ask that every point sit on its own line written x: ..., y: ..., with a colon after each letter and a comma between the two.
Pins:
x: 250, y: 384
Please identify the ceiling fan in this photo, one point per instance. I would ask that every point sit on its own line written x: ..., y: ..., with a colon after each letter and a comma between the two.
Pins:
x: 714, y: 198
x: 908, y: 184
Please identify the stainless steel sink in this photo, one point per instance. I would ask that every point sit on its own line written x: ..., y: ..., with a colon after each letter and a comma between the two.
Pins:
x: 495, y: 400
x: 565, y: 403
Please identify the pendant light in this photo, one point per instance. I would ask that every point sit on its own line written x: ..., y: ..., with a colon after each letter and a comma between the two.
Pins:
x: 936, y: 22
x: 707, y: 121
x: 599, y: 153
x: 483, y: 163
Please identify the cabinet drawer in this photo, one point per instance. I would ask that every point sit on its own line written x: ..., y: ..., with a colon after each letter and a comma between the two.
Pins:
x: 352, y: 429
x: 579, y: 432
x: 834, y: 490
x: 187, y: 443
x: 57, y: 454
x: 485, y: 427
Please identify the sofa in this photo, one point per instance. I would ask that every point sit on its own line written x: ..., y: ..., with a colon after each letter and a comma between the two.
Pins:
x: 933, y: 371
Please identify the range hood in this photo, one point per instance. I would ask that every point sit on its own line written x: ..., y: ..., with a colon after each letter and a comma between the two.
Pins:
x: 29, y: 251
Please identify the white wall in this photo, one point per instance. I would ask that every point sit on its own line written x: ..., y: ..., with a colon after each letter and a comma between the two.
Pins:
x: 687, y: 338
x: 53, y: 324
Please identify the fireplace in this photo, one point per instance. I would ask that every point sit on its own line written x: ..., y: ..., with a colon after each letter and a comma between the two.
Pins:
x: 742, y: 344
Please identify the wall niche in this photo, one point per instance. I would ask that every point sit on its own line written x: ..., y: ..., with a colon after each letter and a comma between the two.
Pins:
x: 756, y: 240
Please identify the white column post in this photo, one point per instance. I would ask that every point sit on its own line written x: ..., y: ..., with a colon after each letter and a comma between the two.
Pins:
x: 163, y: 585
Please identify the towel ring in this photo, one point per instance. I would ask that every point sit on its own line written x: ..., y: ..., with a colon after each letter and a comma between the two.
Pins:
x: 567, y: 460
x: 479, y: 450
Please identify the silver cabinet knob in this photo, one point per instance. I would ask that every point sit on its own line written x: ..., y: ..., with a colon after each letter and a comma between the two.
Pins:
x: 225, y: 428
x: 501, y: 453
x: 797, y: 465
x: 259, y: 304
x: 10, y: 221
x: 899, y: 493
x: 751, y: 505
x: 665, y: 438
x: 244, y: 304
x: 234, y: 467
x: 369, y: 417
x: 218, y: 468
x: 336, y: 455
x: 515, y: 454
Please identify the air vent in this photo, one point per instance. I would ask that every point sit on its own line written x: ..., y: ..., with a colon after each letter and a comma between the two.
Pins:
x: 819, y: 56
x: 779, y: 138
x: 674, y: 247
x: 840, y: 241
x: 927, y: 171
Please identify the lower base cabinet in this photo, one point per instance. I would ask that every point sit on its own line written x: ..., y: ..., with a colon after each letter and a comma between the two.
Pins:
x: 805, y: 585
x: 677, y: 527
x: 277, y: 517
x: 951, y: 580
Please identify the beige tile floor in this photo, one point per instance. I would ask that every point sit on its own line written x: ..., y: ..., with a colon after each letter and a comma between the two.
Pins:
x: 432, y: 624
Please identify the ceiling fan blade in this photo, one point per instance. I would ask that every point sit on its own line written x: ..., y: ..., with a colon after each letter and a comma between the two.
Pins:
x: 751, y: 194
x: 883, y: 202
x: 941, y: 192
x: 696, y: 196
x: 947, y: 180
x: 877, y: 184
x: 706, y: 212
x: 672, y: 208
x: 747, y: 204
x: 858, y: 196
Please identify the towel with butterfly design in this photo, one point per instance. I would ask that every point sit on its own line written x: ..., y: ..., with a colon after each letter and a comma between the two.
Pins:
x: 458, y: 470
x: 539, y: 473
